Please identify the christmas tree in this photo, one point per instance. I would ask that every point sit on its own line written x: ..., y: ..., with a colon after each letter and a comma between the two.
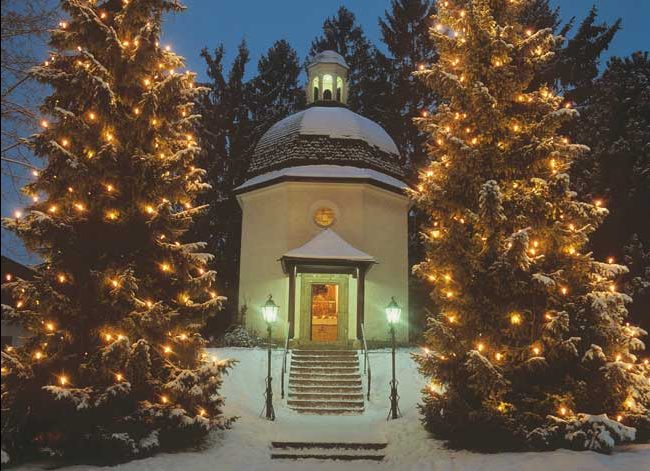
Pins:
x: 114, y: 367
x: 531, y: 340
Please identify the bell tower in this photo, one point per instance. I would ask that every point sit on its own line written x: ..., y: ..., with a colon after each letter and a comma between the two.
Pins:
x: 328, y: 79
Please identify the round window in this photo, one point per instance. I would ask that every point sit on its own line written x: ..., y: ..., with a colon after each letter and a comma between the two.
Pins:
x: 324, y: 217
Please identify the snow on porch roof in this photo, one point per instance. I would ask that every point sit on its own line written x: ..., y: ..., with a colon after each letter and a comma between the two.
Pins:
x: 328, y: 245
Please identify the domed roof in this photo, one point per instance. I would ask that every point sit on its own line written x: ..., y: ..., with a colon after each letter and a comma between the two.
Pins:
x: 329, y: 57
x: 326, y: 135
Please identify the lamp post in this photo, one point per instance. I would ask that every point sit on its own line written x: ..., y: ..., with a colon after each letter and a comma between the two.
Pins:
x: 393, y: 313
x: 269, y: 314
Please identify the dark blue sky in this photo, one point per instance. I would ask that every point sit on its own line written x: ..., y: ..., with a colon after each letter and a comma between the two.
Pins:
x: 261, y: 22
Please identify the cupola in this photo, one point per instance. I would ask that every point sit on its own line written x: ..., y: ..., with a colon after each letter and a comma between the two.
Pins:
x: 328, y: 79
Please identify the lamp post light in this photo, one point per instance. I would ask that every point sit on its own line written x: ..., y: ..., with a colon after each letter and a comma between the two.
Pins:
x: 269, y: 314
x: 393, y: 313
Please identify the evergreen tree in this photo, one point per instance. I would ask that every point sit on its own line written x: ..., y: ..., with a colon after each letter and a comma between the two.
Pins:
x: 368, y: 88
x: 615, y: 123
x: 531, y: 331
x: 574, y: 66
x: 225, y: 133
x: 404, y: 32
x: 276, y: 91
x: 114, y: 367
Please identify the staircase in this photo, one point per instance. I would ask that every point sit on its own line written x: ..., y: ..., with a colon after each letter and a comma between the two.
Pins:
x: 327, y: 451
x: 325, y: 382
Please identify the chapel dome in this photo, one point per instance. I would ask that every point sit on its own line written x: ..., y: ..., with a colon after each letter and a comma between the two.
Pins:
x: 331, y: 135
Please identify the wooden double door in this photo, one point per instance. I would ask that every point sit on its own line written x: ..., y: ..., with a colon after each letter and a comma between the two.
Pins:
x: 324, y: 301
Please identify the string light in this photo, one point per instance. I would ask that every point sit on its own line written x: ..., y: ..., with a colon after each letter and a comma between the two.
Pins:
x: 18, y: 214
x: 45, y: 124
x: 63, y: 380
x: 65, y: 142
x: 610, y: 260
x: 38, y: 355
x: 480, y: 346
x: 165, y: 267
x: 167, y: 349
x: 498, y: 356
x: 515, y: 318
x: 202, y: 412
x: 164, y: 399
x: 563, y: 411
x: 61, y: 278
x: 537, y: 350
x: 119, y: 377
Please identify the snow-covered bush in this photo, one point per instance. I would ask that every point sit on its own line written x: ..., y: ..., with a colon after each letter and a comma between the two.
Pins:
x: 583, y: 432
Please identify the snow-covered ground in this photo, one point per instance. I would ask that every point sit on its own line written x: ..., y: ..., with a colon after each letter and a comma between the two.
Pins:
x: 246, y: 446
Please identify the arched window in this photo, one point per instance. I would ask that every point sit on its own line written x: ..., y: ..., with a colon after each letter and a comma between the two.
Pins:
x: 315, y: 87
x: 339, y: 89
x: 328, y: 85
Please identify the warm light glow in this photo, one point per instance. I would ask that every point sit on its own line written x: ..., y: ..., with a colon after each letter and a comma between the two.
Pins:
x: 564, y: 290
x: 146, y: 82
x: 119, y: 377
x: 619, y: 418
x: 610, y: 259
x: 563, y: 411
x: 165, y: 267
x: 38, y: 355
x: 480, y: 346
x: 63, y: 380
x: 515, y: 318
x: 619, y: 357
x: 164, y: 399
x: 112, y: 215
x: 202, y: 412
x: 79, y: 207
x: 612, y: 288
x: 65, y: 142
x: 109, y: 188
x: 498, y: 356
x: 598, y: 203
x: 61, y: 278
x: 115, y: 283
x: 167, y: 349
x: 149, y: 209
x: 537, y: 350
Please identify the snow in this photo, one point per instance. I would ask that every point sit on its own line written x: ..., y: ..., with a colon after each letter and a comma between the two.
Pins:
x: 328, y: 245
x: 325, y: 171
x: 335, y: 122
x: 247, y: 446
x: 329, y: 57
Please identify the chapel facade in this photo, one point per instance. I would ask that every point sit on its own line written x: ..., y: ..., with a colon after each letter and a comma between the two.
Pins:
x: 324, y: 224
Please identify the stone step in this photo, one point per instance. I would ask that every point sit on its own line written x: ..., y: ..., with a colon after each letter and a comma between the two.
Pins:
x: 326, y: 377
x: 324, y: 369
x: 329, y: 445
x: 328, y: 410
x: 332, y: 456
x: 328, y: 451
x: 325, y: 388
x: 325, y: 363
x: 318, y: 396
x: 330, y: 381
x: 336, y: 403
x: 324, y: 353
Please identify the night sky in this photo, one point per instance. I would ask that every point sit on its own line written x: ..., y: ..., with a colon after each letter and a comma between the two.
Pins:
x: 207, y: 23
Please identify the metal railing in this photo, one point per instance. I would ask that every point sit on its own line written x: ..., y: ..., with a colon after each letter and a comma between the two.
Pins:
x: 284, y: 360
x: 366, y: 360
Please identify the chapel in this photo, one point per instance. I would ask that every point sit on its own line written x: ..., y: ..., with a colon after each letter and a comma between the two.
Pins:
x: 324, y: 223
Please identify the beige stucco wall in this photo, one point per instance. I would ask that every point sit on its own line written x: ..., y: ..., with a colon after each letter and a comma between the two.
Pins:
x: 278, y: 218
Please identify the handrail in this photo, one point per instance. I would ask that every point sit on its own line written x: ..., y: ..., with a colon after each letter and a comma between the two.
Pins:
x: 284, y: 359
x: 366, y: 359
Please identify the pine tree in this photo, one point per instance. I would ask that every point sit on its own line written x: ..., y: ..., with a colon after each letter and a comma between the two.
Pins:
x: 368, y: 88
x: 531, y: 331
x: 225, y: 133
x: 276, y: 91
x: 404, y: 32
x: 615, y: 123
x: 114, y: 367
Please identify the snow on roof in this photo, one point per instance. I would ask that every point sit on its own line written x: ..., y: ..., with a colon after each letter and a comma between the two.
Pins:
x: 328, y: 245
x: 329, y: 57
x: 338, y: 122
x: 325, y: 171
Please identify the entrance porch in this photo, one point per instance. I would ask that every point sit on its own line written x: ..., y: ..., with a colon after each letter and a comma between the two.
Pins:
x: 326, y: 299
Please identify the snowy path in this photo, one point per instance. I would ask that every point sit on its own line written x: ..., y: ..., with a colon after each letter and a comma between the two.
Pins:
x: 246, y: 446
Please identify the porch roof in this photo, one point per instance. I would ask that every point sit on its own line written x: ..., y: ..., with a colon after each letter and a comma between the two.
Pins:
x: 327, y: 245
